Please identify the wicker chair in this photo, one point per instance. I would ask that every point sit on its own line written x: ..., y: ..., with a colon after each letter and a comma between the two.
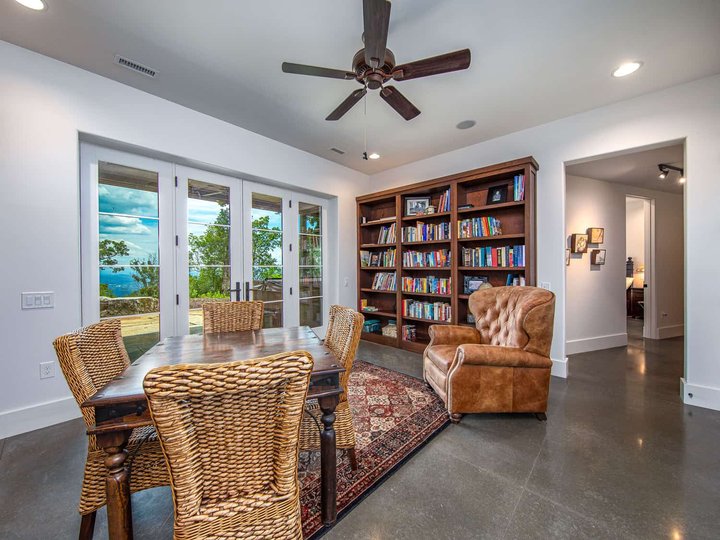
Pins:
x: 232, y: 316
x: 89, y: 358
x: 229, y: 432
x: 343, y: 336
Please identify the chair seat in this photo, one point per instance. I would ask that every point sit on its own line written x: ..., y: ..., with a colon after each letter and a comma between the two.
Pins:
x: 310, y: 429
x: 441, y: 356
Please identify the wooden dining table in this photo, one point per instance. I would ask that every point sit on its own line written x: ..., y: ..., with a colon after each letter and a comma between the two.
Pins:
x: 121, y: 406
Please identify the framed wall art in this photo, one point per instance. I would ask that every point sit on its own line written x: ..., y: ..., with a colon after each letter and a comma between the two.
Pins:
x: 579, y: 243
x: 596, y: 235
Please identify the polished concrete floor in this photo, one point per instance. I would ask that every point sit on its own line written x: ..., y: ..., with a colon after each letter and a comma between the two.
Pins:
x: 619, y: 457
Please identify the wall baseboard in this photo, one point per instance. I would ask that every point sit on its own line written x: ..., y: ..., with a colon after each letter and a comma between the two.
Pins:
x: 559, y: 368
x: 597, y: 343
x: 707, y: 397
x: 670, y: 331
x: 38, y: 416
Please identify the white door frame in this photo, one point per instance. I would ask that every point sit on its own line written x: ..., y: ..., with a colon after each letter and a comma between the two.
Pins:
x: 183, y: 174
x: 90, y: 155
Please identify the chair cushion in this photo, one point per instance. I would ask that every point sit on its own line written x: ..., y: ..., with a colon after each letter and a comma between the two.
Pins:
x: 441, y: 356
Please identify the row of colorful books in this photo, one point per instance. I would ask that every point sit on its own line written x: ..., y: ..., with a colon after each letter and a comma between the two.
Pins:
x: 430, y: 285
x: 444, y: 204
x: 431, y: 311
x: 506, y: 256
x: 519, y: 187
x: 423, y: 232
x: 387, y: 234
x: 478, y: 227
x: 384, y: 281
x: 377, y: 258
x: 409, y: 333
x: 422, y: 259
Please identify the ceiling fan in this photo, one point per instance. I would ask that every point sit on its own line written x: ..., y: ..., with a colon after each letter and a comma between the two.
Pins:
x: 374, y: 65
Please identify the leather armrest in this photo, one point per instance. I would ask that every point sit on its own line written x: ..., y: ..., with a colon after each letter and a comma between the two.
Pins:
x: 450, y: 334
x: 493, y: 355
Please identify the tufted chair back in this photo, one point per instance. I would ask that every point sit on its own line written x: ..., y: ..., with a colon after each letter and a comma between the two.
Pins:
x: 515, y: 317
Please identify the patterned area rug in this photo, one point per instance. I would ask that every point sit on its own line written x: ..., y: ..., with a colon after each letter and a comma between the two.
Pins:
x: 393, y: 415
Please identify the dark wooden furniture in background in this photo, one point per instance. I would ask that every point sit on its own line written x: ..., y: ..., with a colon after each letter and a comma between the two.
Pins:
x: 635, y: 302
x: 375, y: 210
x: 121, y: 406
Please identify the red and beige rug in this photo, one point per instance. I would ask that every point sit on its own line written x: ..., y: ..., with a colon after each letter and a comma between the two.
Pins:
x: 394, y: 415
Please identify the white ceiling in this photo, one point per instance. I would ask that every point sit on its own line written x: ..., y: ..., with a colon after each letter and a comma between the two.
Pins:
x: 638, y: 169
x: 532, y: 61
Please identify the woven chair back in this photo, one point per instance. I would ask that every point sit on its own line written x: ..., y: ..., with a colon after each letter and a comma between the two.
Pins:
x: 342, y: 338
x: 89, y: 358
x: 230, y: 431
x: 232, y: 316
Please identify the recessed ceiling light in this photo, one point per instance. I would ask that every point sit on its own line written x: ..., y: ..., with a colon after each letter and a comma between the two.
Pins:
x: 374, y: 155
x: 466, y: 124
x: 37, y: 5
x: 681, y: 179
x: 626, y: 69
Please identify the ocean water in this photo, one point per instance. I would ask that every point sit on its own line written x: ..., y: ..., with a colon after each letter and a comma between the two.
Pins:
x: 120, y: 283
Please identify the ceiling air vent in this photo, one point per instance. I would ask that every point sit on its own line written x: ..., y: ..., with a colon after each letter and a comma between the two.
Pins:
x: 337, y: 151
x: 134, y: 66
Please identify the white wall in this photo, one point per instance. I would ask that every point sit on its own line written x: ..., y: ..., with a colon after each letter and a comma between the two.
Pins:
x: 44, y: 105
x: 691, y: 112
x: 595, y: 305
x: 635, y: 231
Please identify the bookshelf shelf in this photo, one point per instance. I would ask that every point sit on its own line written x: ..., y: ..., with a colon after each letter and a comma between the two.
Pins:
x: 433, y: 295
x: 383, y: 213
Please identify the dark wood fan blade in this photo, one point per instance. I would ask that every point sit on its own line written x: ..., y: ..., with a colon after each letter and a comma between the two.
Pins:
x: 346, y: 105
x: 376, y: 17
x: 400, y: 103
x: 444, y: 63
x: 302, y: 69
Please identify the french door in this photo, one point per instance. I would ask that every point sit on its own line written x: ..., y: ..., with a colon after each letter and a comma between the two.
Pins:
x: 159, y: 240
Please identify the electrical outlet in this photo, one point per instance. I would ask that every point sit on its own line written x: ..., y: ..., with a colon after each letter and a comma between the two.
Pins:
x: 545, y: 285
x: 347, y: 282
x: 47, y: 370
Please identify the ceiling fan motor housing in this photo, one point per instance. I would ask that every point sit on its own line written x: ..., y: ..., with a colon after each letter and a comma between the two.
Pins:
x: 373, y: 78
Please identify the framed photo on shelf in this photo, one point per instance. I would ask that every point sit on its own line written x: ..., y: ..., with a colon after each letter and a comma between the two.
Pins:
x: 497, y: 194
x: 597, y: 256
x: 416, y: 205
x: 579, y: 243
x: 473, y: 283
x: 596, y: 235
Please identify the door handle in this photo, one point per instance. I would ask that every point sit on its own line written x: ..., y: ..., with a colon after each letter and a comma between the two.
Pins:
x: 247, y: 290
x: 237, y: 290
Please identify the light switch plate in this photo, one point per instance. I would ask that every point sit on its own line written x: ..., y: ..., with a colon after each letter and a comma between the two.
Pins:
x: 545, y: 285
x: 38, y: 300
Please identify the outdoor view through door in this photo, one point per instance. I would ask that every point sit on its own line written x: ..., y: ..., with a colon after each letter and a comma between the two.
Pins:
x: 128, y: 245
x: 160, y: 239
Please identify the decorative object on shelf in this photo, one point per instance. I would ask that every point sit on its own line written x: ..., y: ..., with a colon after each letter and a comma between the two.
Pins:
x: 597, y: 256
x: 415, y: 206
x: 371, y: 325
x: 596, y: 235
x: 363, y: 220
x: 363, y: 304
x: 390, y: 329
x: 370, y: 309
x: 465, y: 207
x: 567, y: 257
x: 473, y: 283
x: 579, y: 243
x: 430, y: 209
x: 497, y: 194
x: 629, y: 267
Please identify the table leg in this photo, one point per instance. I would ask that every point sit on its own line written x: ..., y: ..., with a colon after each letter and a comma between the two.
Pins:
x: 117, y: 485
x: 328, y: 461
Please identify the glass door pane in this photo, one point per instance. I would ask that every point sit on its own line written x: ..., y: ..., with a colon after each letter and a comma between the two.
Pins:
x: 126, y: 238
x: 310, y: 239
x: 209, y: 243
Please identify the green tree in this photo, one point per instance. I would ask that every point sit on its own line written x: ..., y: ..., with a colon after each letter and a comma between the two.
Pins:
x: 110, y: 250
x: 147, y: 274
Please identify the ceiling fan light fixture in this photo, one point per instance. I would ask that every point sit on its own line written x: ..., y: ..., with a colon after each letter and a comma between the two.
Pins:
x: 681, y: 180
x: 626, y: 68
x: 374, y: 155
x: 466, y: 124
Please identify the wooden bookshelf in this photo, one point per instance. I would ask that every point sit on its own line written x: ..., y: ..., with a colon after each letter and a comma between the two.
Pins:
x: 386, y: 208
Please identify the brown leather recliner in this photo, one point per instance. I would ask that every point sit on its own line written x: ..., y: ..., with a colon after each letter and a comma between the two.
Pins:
x: 501, y: 365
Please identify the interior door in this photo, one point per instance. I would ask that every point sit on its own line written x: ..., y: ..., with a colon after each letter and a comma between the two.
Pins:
x: 209, y: 243
x: 270, y: 275
x: 127, y: 244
